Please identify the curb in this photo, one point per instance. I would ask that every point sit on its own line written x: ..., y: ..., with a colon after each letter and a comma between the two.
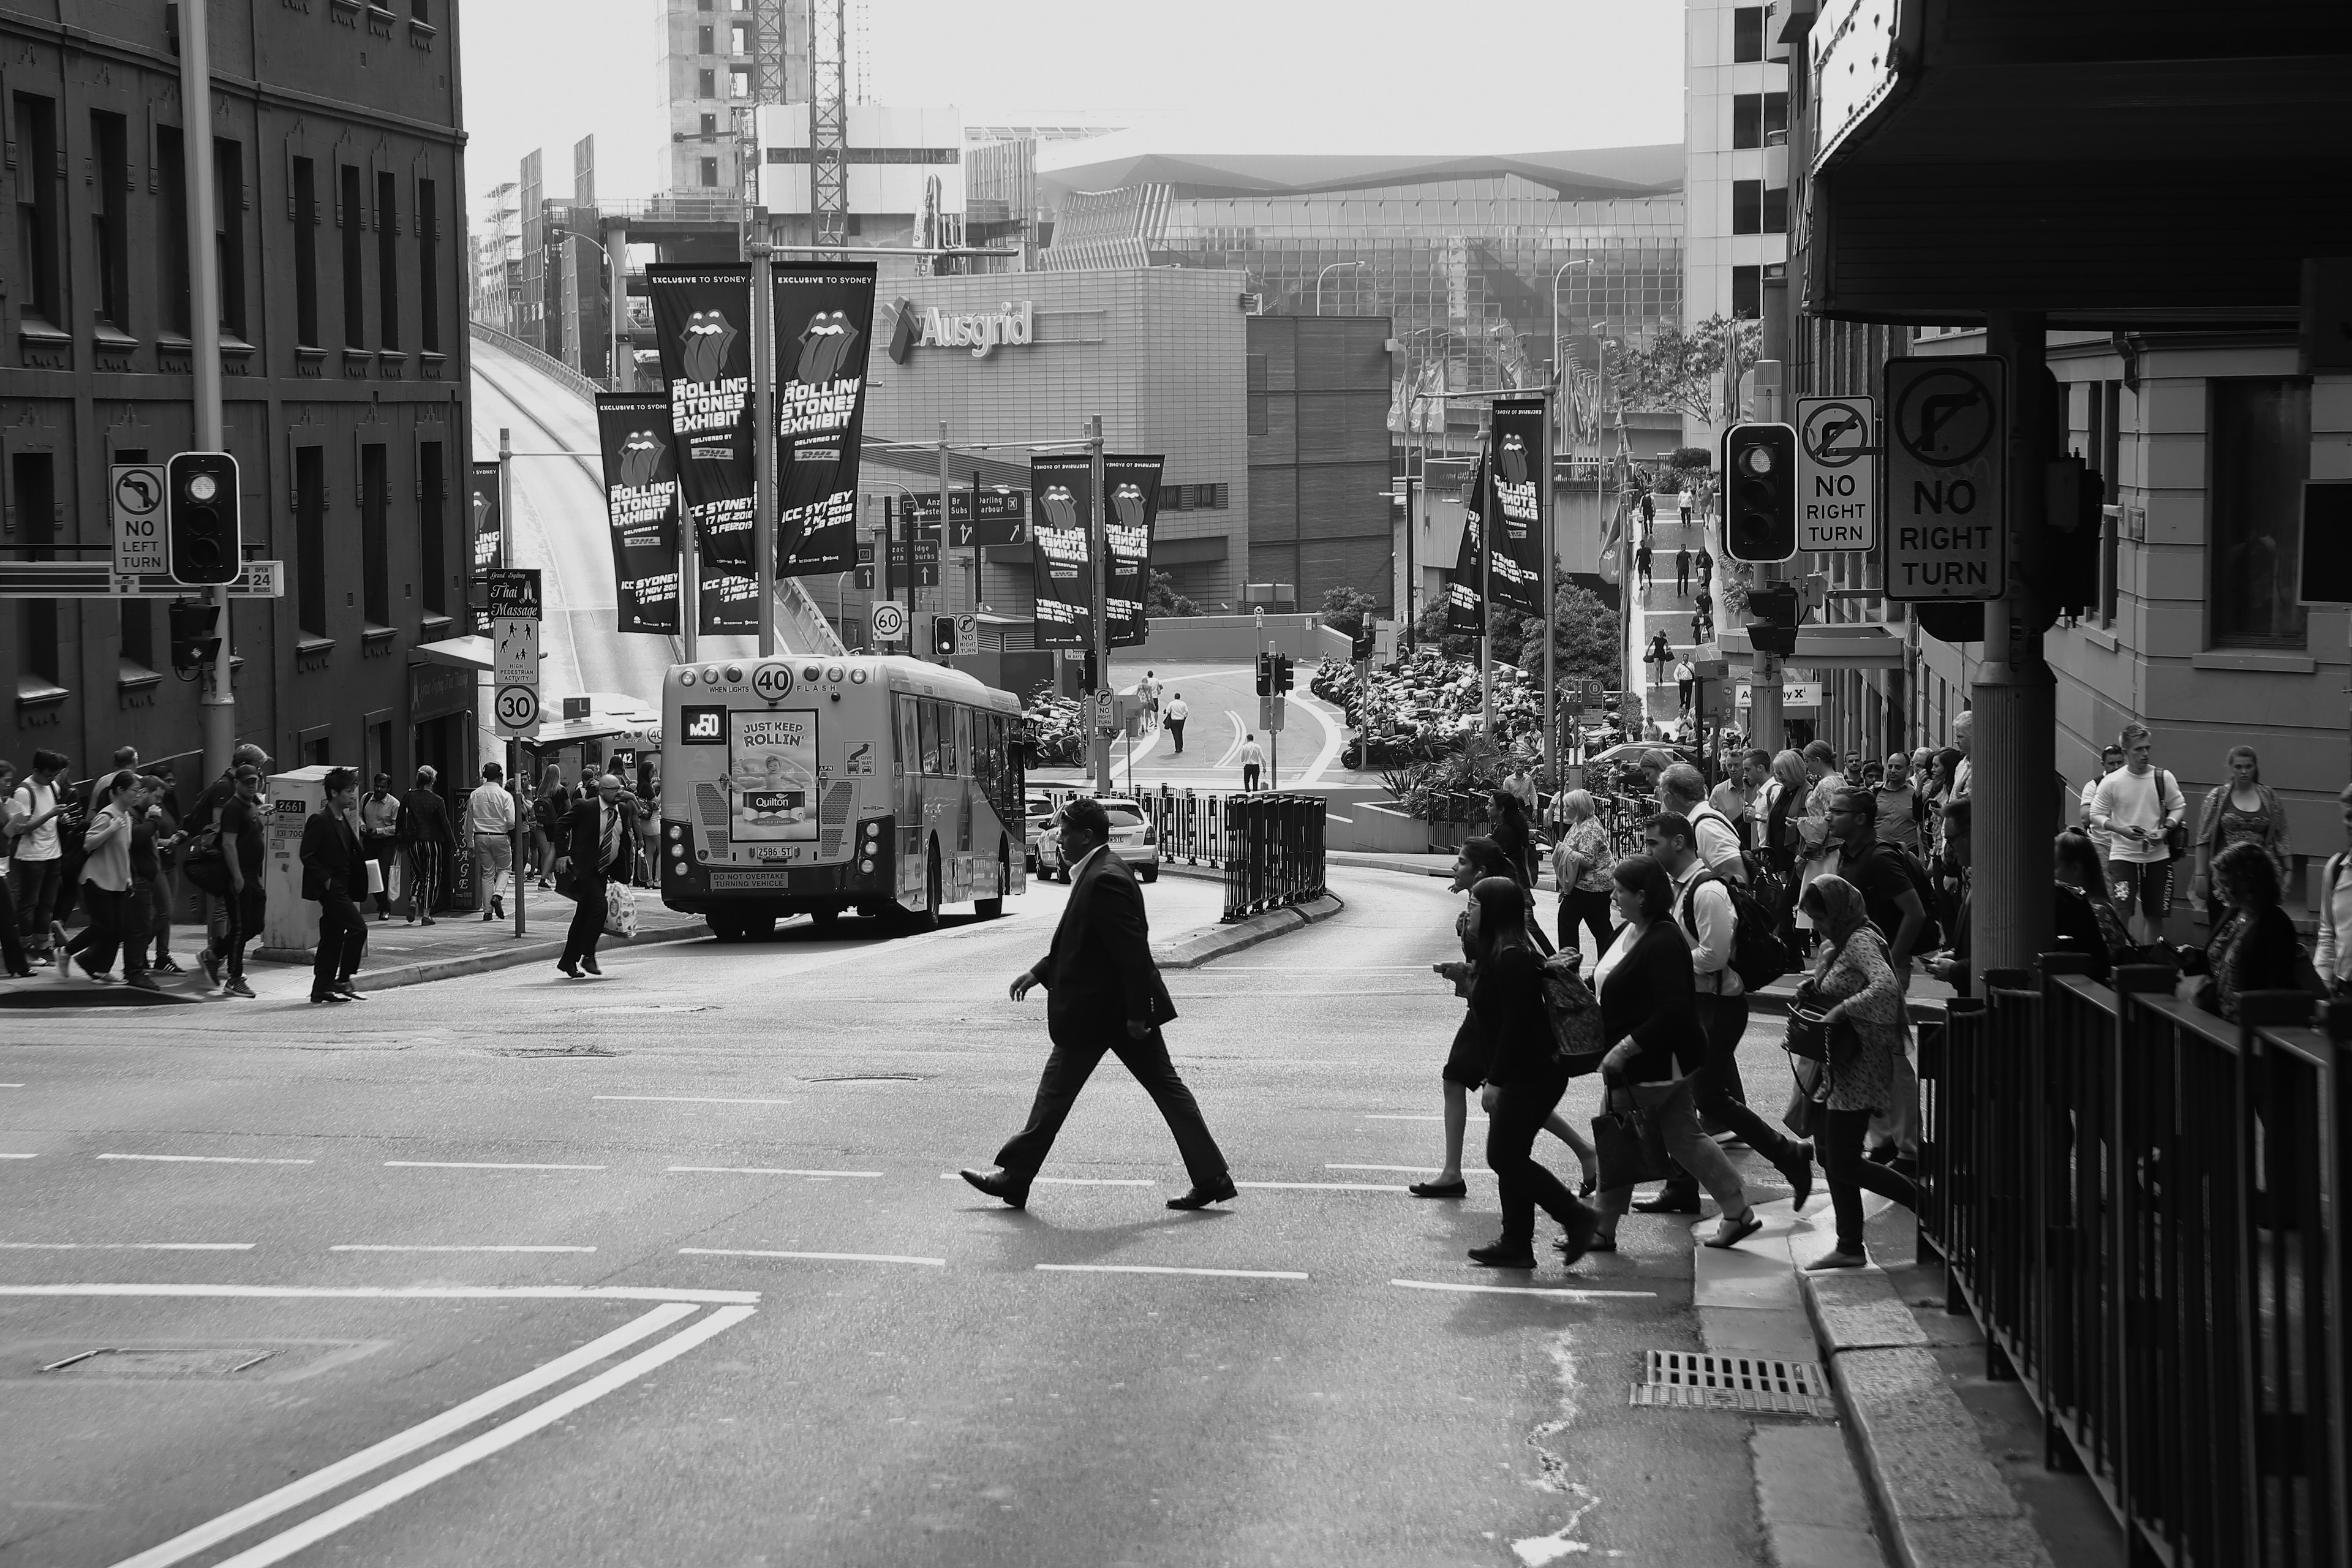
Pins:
x: 1940, y: 1503
x: 1196, y: 948
x: 528, y: 952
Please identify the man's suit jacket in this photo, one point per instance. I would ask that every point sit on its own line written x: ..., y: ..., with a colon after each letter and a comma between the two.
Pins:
x: 331, y: 857
x: 584, y: 838
x: 1098, y: 975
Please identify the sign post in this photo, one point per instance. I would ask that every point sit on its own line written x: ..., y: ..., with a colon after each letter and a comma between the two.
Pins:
x: 1837, y: 474
x: 514, y: 607
x: 1947, y: 477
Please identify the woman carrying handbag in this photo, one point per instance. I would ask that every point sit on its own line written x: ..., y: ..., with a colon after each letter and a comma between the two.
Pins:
x: 1861, y: 1005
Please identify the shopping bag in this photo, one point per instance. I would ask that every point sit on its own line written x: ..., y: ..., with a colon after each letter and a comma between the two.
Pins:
x: 375, y: 878
x: 620, y: 911
x: 1803, y: 1117
x: 1630, y: 1148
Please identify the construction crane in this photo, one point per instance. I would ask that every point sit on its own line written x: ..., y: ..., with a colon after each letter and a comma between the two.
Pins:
x: 829, y: 121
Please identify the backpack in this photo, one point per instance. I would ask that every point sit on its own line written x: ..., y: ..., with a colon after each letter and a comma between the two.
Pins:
x: 1574, y: 1011
x: 1931, y: 935
x: 1758, y: 956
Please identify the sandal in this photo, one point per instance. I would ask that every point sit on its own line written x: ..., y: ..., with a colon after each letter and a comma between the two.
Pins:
x: 1741, y: 1232
x: 1440, y: 1189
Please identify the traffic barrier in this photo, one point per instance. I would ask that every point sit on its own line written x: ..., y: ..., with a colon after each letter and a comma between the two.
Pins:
x: 2144, y: 1207
x: 1273, y: 854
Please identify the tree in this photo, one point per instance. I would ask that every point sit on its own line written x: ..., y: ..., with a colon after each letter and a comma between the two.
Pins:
x: 1679, y: 371
x: 1344, y: 609
x: 1162, y: 599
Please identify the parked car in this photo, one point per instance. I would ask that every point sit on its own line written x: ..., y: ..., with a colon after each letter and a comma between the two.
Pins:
x: 1132, y: 839
x: 1038, y: 813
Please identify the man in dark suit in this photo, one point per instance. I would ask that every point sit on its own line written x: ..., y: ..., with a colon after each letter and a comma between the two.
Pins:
x: 334, y: 875
x: 1103, y: 993
x: 599, y: 836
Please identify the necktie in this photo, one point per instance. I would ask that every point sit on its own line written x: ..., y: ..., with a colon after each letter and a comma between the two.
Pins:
x: 611, y: 839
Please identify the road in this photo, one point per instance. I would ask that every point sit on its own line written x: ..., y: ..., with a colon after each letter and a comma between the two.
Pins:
x: 738, y: 1160
x: 1223, y: 702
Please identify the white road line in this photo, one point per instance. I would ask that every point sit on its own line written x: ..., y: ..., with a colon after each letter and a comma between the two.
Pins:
x: 1466, y: 1171
x: 689, y: 1099
x: 398, y: 1292
x: 312, y: 1531
x: 1068, y: 1180
x: 812, y: 1256
x: 1323, y: 1186
x: 1149, y: 1268
x: 19, y: 1156
x: 206, y: 1159
x: 1528, y: 1290
x: 11, y: 1086
x: 212, y: 1533
x: 761, y: 1171
x: 1241, y: 732
x: 373, y: 1246
x: 478, y: 1165
x: 126, y: 1245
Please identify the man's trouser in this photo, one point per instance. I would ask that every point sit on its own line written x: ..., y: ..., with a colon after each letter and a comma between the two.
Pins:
x: 1176, y: 728
x: 493, y: 860
x: 341, y: 933
x: 35, y: 884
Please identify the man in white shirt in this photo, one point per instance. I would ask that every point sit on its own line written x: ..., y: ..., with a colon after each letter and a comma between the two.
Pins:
x: 2111, y: 757
x: 1715, y: 841
x: 1898, y: 804
x: 1149, y: 692
x: 1737, y: 796
x: 2136, y: 807
x: 490, y: 813
x: 35, y: 870
x: 1252, y: 759
x: 2332, y: 956
x: 1683, y: 676
x: 1177, y: 713
x: 1704, y: 915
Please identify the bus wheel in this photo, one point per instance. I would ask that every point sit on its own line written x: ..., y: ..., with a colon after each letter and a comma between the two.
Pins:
x: 990, y: 909
x: 915, y: 922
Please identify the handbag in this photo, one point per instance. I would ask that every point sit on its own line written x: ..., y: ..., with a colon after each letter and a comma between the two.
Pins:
x: 1629, y: 1145
x: 1575, y: 1015
x: 1808, y: 1034
x: 620, y: 911
x: 1803, y: 1117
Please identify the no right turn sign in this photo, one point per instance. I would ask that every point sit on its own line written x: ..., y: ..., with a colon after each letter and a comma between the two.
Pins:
x: 1947, y: 478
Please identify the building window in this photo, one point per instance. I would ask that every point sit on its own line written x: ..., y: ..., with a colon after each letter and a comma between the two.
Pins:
x: 1747, y: 293
x: 1776, y: 115
x: 388, y: 258
x: 354, y: 261
x: 2259, y: 456
x: 703, y: 43
x: 1755, y: 116
x: 170, y: 153
x: 741, y: 32
x: 38, y: 234
x: 433, y: 547
x: 1776, y: 209
x: 706, y: 83
x: 228, y: 234
x: 739, y: 82
x: 310, y: 540
x: 1747, y: 32
x: 710, y: 173
x: 110, y: 217
x: 138, y: 640
x: 710, y: 126
x: 305, y: 252
x: 376, y: 534
x: 1747, y: 207
x: 1257, y: 419
x: 33, y: 486
x: 428, y: 268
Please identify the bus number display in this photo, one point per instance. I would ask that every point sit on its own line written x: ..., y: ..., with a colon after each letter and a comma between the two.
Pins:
x: 702, y: 726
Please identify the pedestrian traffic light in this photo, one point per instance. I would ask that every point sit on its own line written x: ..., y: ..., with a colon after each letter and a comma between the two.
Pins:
x: 1282, y: 672
x: 201, y: 529
x: 1774, y: 614
x: 1265, y: 675
x: 944, y: 643
x: 1759, y: 502
x: 193, y: 642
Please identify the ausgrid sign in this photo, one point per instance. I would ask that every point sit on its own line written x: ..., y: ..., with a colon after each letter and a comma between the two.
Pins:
x: 982, y: 332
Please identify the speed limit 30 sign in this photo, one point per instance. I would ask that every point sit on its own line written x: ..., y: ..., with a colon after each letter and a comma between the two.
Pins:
x: 517, y: 709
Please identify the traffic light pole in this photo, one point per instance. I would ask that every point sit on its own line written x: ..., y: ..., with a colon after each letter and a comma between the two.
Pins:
x: 514, y: 742
x: 763, y: 422
x: 1098, y: 555
x: 217, y: 697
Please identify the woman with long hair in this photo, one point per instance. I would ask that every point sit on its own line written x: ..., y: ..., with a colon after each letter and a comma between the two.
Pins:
x: 1581, y: 863
x: 2255, y: 947
x: 1513, y: 835
x: 1521, y: 1080
x: 1649, y: 1008
x: 1851, y: 975
x: 2086, y: 918
x: 2243, y: 811
x: 1479, y: 860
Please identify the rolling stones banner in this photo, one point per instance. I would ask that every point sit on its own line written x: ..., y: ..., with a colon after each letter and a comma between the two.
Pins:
x: 1060, y: 500
x: 641, y: 506
x: 1515, y: 514
x: 1466, y: 602
x: 1134, y: 487
x: 824, y: 325
x: 485, y: 514
x: 702, y: 325
x: 728, y: 604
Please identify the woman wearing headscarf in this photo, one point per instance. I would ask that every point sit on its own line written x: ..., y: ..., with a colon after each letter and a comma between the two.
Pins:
x: 1479, y: 860
x: 2243, y: 811
x: 1853, y: 983
x: 1522, y: 1077
x: 1649, y: 1008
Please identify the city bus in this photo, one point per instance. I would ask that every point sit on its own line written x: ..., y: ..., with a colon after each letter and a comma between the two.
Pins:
x: 793, y: 785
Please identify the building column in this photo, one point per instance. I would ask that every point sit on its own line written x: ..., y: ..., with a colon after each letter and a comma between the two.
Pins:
x: 2014, y: 751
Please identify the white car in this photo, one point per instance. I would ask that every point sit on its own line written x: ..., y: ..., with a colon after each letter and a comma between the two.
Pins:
x: 1038, y: 812
x: 1132, y: 839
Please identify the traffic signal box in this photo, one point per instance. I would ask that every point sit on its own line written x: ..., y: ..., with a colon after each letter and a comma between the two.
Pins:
x: 193, y: 642
x: 1759, y: 495
x: 1774, y: 614
x: 943, y: 643
x: 201, y: 532
x: 1274, y: 673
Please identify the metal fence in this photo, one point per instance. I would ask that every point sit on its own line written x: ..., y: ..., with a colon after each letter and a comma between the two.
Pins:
x: 1272, y: 852
x: 2142, y: 1205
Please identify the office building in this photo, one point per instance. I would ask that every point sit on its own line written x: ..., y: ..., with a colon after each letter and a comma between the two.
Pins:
x: 713, y: 61
x: 1736, y: 159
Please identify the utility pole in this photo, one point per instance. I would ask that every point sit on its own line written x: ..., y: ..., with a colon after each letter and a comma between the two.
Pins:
x: 514, y: 742
x: 1546, y: 507
x: 1098, y: 555
x: 1767, y: 728
x: 763, y: 425
x: 946, y: 532
x: 217, y: 697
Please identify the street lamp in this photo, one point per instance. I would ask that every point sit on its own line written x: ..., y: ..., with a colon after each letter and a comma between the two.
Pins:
x: 1559, y: 370
x: 617, y: 287
x: 1325, y: 273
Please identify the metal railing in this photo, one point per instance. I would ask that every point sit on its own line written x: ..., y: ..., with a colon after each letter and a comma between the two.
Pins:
x: 547, y: 364
x: 2144, y: 1206
x: 1273, y: 852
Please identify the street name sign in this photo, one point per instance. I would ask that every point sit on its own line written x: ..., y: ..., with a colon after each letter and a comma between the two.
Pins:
x: 1837, y: 474
x: 1271, y: 711
x: 135, y: 499
x: 1947, y: 478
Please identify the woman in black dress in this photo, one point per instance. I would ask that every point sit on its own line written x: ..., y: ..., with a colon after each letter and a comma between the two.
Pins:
x: 1523, y: 1079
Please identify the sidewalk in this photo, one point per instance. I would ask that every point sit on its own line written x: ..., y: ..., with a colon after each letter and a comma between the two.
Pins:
x: 398, y: 954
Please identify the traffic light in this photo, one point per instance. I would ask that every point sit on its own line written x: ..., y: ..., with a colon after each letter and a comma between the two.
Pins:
x: 1282, y: 672
x: 1366, y: 639
x: 1773, y: 615
x: 943, y: 637
x: 1759, y: 499
x: 1265, y: 675
x: 200, y: 533
x: 193, y: 642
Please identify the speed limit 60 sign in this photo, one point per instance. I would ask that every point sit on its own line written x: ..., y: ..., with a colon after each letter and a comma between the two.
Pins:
x: 889, y: 620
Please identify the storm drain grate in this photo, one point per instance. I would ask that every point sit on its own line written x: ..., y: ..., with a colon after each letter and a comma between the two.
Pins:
x: 1687, y: 1381
x: 161, y: 1362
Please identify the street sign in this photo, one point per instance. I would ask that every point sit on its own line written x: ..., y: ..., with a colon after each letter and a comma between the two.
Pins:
x: 1271, y: 711
x: 515, y: 650
x: 889, y: 620
x: 574, y: 708
x: 514, y: 592
x: 136, y: 498
x: 1837, y: 474
x: 517, y: 709
x: 967, y: 636
x: 1947, y: 478
x: 98, y: 580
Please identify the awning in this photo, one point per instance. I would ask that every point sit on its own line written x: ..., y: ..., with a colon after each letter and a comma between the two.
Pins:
x: 1825, y: 648
x: 555, y: 732
x: 459, y: 653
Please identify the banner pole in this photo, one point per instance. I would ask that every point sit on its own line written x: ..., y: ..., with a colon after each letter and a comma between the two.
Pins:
x: 1098, y: 557
x: 946, y: 532
x: 763, y: 429
x: 1545, y: 508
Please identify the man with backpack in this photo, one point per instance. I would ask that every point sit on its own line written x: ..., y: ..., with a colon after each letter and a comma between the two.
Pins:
x: 1713, y: 838
x: 1723, y: 938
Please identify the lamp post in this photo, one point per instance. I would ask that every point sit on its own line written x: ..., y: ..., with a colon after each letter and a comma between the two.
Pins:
x: 1559, y: 370
x: 1325, y: 273
x: 617, y: 287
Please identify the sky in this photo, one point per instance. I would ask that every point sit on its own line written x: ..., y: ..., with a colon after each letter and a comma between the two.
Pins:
x: 1194, y: 75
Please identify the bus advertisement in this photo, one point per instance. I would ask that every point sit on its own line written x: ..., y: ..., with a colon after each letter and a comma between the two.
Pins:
x: 799, y: 785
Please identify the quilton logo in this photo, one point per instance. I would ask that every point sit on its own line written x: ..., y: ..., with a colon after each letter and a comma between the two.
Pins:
x: 1011, y: 324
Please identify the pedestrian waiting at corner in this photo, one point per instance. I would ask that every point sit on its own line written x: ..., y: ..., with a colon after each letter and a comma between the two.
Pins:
x: 1253, y: 760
